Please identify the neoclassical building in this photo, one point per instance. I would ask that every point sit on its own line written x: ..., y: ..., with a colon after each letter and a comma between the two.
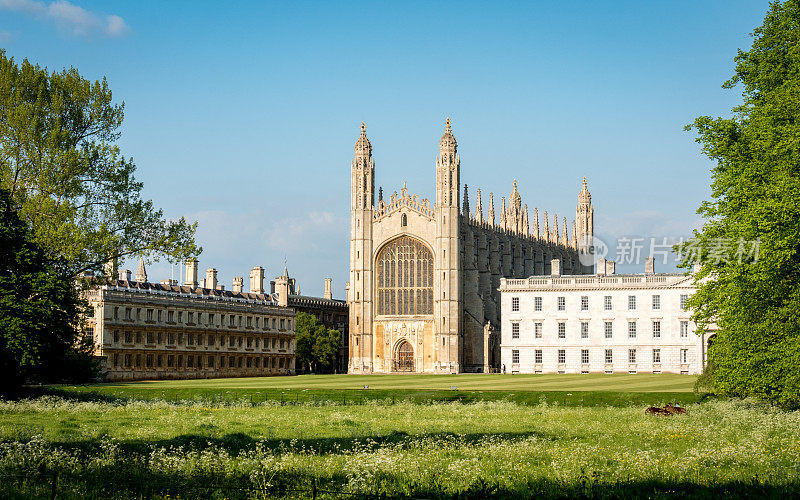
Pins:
x: 605, y: 323
x: 423, y: 291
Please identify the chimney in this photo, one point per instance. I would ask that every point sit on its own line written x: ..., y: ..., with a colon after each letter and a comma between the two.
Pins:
x: 282, y: 289
x: 257, y: 280
x: 601, y: 266
x: 169, y: 282
x: 649, y: 265
x: 610, y: 266
x: 555, y: 267
x: 125, y: 274
x: 328, y: 294
x: 238, y: 284
x: 191, y: 273
x: 109, y: 268
x: 211, y: 278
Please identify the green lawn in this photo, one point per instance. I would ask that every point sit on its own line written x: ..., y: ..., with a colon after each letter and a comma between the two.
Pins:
x: 572, y: 390
x: 468, y: 382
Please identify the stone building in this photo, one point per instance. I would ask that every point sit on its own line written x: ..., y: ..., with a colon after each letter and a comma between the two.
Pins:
x: 146, y: 330
x: 423, y: 277
x: 606, y: 323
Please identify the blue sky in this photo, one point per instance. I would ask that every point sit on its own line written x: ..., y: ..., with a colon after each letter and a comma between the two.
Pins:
x: 243, y: 115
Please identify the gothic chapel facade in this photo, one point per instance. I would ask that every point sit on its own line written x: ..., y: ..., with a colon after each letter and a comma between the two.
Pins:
x: 423, y: 292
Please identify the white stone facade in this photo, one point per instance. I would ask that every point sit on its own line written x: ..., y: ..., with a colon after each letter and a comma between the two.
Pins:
x: 627, y: 323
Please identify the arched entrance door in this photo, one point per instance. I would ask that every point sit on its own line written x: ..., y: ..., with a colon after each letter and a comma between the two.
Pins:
x: 404, y: 357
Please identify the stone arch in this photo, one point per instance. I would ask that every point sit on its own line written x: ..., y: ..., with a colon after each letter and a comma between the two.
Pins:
x: 403, y: 356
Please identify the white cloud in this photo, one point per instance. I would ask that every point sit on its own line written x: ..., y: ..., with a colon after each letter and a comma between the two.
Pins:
x: 70, y: 18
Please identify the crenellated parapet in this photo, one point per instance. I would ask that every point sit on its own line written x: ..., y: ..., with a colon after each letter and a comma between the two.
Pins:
x: 514, y: 220
x: 485, y: 226
x: 413, y: 202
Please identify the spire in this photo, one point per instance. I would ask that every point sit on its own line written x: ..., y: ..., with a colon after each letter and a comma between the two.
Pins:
x: 515, y: 200
x: 565, y: 238
x: 503, y: 213
x: 546, y: 227
x: 448, y: 142
x: 363, y: 147
x: 465, y: 208
x: 141, y: 272
x: 380, y: 194
x: 479, y: 208
x: 536, y: 222
x: 491, y: 209
x: 584, y: 196
x: 584, y: 218
x: 525, y: 226
x: 574, y: 234
x: 555, y: 229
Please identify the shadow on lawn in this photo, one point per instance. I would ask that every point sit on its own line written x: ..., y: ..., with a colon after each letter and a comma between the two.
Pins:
x: 236, y: 443
x: 131, y: 480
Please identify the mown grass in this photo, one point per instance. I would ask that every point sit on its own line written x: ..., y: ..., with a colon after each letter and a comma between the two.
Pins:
x: 191, y: 449
x: 569, y: 390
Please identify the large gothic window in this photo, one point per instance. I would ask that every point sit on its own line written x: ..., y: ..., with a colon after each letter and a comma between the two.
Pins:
x: 405, y: 278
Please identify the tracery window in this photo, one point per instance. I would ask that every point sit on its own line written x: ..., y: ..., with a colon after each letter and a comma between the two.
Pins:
x: 405, y: 278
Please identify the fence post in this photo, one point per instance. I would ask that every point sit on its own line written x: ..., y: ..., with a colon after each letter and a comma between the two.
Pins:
x: 55, y: 482
x: 314, y: 488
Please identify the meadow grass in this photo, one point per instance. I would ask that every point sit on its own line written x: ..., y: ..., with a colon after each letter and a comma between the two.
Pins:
x: 189, y: 449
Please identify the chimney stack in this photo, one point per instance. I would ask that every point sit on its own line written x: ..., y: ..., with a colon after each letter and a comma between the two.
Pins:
x: 191, y: 273
x: 649, y: 265
x: 555, y: 268
x: 601, y: 266
x: 125, y: 274
x: 257, y: 280
x: 238, y: 284
x: 328, y: 294
x: 611, y: 266
x: 211, y: 278
x: 282, y: 289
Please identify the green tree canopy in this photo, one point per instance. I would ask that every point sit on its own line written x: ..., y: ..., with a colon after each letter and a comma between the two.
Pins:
x: 315, y: 345
x: 755, y: 302
x: 60, y: 164
x: 39, y: 309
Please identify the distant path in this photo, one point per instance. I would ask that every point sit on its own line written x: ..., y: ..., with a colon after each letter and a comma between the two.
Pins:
x: 467, y: 382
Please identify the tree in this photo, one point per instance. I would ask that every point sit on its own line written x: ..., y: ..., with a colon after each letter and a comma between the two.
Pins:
x: 755, y: 301
x: 60, y: 164
x: 316, y: 345
x: 39, y: 306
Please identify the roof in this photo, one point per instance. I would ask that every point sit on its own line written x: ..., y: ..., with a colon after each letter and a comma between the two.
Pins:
x: 205, y: 292
x: 316, y: 301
